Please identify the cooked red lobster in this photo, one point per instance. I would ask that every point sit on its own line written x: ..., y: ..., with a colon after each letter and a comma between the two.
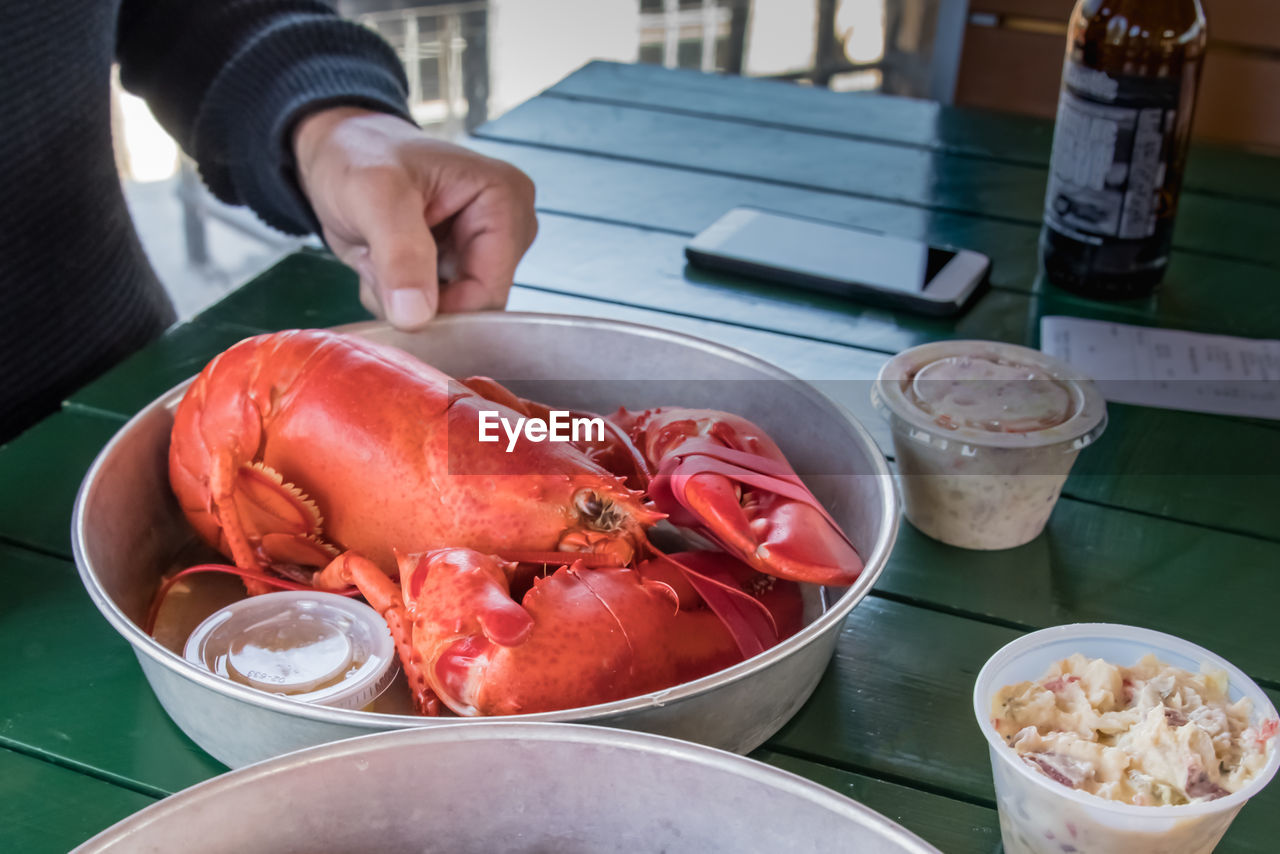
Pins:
x: 327, y: 459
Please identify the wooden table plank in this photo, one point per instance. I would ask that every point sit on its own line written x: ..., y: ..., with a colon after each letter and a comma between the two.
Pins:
x: 155, y: 369
x: 305, y: 289
x: 45, y: 808
x: 40, y: 472
x: 73, y: 690
x: 1211, y: 169
x: 1099, y: 564
x: 1221, y: 227
x: 896, y: 703
x: 953, y: 826
x: 1206, y: 294
x: 309, y: 290
x: 684, y: 202
x: 647, y: 269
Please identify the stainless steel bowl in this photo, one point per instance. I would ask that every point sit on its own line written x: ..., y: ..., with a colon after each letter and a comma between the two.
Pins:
x: 127, y: 527
x: 500, y: 786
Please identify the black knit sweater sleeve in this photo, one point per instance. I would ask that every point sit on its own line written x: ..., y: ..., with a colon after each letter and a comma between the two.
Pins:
x: 229, y: 79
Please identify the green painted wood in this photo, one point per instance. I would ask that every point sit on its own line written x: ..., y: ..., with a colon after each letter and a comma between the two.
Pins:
x: 1211, y: 169
x: 177, y: 356
x: 1101, y: 564
x: 896, y: 704
x: 45, y: 808
x: 953, y: 826
x: 1198, y: 292
x: 73, y: 690
x: 308, y: 290
x: 1215, y: 471
x: 40, y: 472
x: 1237, y: 228
x: 670, y: 198
x: 647, y: 269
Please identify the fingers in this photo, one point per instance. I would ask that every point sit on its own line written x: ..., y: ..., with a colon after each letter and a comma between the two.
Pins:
x: 488, y: 239
x: 401, y: 266
x: 369, y: 299
x: 383, y: 192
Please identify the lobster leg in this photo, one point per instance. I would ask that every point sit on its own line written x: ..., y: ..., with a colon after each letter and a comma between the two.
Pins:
x: 779, y: 597
x: 383, y: 596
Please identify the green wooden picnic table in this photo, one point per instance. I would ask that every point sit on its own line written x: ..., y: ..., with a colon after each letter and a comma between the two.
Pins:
x: 1168, y: 522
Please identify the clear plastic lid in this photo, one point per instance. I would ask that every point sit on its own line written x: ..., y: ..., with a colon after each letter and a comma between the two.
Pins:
x: 316, y: 647
x: 989, y: 394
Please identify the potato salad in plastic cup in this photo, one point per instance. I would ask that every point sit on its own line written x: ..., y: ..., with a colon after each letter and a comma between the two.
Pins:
x: 1108, y: 738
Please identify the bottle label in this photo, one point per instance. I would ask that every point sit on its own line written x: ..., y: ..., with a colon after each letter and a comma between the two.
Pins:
x: 1111, y: 147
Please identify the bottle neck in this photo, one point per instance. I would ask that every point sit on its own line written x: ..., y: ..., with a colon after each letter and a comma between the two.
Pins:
x: 1147, y: 20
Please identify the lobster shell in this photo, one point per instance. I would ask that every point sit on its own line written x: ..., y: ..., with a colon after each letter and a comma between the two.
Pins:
x: 291, y: 446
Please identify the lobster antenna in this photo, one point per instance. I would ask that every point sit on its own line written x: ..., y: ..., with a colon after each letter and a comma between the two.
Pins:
x: 738, y: 610
x: 252, y: 574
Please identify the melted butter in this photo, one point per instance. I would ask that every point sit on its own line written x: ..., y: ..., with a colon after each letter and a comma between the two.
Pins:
x: 985, y: 392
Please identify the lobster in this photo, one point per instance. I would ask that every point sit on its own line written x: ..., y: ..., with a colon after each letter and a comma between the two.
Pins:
x: 576, y: 637
x: 324, y: 459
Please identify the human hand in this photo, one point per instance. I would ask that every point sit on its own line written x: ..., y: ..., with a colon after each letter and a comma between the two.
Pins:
x: 427, y: 225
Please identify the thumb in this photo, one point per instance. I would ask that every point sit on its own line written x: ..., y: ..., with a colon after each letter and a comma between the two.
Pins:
x: 402, y: 260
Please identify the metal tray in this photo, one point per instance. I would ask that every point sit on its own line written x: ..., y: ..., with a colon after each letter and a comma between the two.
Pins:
x: 126, y: 526
x: 500, y: 786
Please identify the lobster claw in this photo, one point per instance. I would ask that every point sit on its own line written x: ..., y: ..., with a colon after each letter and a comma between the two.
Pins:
x: 722, y: 476
x: 576, y: 638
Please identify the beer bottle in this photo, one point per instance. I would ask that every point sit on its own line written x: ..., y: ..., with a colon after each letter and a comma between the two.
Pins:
x: 1120, y: 143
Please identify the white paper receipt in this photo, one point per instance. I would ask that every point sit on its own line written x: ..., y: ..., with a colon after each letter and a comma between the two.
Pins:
x: 1169, y: 368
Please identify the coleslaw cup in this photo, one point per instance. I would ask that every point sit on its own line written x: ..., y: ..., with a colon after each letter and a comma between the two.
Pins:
x: 1040, y: 816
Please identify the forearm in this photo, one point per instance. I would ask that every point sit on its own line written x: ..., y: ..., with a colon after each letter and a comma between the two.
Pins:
x: 230, y: 79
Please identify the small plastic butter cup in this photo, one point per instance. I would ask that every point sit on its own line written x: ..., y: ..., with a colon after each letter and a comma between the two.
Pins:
x: 984, y: 434
x: 1041, y: 816
x: 310, y: 646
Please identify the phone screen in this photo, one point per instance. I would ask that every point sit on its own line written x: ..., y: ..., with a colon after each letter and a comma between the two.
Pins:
x: 832, y: 252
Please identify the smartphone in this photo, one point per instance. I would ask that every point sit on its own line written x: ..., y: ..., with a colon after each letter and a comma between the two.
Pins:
x: 861, y: 265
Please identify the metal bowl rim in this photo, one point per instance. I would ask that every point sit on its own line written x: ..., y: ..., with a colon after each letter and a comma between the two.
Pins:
x: 507, y: 730
x: 839, y: 609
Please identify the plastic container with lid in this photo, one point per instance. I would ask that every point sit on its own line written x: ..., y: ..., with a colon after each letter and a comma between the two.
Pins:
x: 1041, y: 816
x: 315, y: 647
x: 985, y: 434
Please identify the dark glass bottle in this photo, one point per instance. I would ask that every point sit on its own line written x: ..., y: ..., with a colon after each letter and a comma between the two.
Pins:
x: 1120, y: 144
